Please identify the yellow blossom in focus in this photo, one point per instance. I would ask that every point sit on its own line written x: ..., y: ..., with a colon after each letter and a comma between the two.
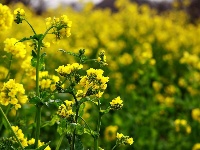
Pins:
x: 119, y: 135
x: 116, y: 103
x: 31, y: 141
x: 129, y: 141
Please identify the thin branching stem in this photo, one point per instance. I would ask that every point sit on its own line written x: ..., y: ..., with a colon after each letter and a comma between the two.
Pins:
x: 10, y: 127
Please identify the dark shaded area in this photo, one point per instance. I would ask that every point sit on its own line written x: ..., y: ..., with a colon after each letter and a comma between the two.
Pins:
x: 193, y: 9
x: 7, y: 2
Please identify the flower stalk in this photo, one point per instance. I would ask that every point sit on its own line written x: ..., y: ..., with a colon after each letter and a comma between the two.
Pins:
x: 10, y: 127
x: 96, y: 145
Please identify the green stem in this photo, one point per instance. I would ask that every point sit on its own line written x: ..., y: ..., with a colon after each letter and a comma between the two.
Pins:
x: 30, y: 26
x: 76, y: 120
x: 7, y: 110
x: 98, y: 127
x: 38, y: 124
x: 38, y: 106
x: 60, y: 141
x: 114, y: 146
x: 9, y: 125
x: 87, y: 125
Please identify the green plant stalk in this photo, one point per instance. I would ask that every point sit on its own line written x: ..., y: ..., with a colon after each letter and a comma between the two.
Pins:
x: 96, y: 146
x: 38, y: 106
x: 7, y: 110
x: 6, y: 79
x: 115, y: 146
x: 30, y: 26
x: 9, y: 125
x: 76, y: 120
x: 87, y: 126
x: 60, y: 141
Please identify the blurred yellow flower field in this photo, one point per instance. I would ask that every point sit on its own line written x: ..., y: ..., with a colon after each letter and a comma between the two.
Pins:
x: 149, y: 72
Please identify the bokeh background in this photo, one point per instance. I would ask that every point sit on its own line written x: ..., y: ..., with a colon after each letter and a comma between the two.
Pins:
x: 153, y: 56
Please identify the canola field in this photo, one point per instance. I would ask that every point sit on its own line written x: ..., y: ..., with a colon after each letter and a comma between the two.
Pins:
x: 126, y: 80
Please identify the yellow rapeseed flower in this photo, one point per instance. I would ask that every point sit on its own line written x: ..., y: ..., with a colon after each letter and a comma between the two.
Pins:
x: 6, y: 17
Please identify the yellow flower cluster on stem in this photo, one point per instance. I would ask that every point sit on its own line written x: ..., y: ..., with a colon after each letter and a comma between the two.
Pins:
x: 116, y: 103
x: 48, y: 81
x: 65, y: 110
x: 61, y: 26
x: 122, y: 139
x: 13, y: 93
x: 24, y: 141
x: 94, y: 82
x: 69, y: 69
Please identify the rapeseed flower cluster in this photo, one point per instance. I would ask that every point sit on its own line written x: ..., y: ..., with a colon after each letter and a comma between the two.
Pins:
x: 24, y: 141
x: 70, y: 69
x: 182, y: 125
x: 48, y: 81
x: 65, y: 110
x: 19, y: 15
x: 13, y: 93
x: 18, y: 49
x: 20, y: 136
x: 116, y: 103
x: 6, y: 17
x: 94, y: 83
x: 122, y: 139
x: 61, y: 26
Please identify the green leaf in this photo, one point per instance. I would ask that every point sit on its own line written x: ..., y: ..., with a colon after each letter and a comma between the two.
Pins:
x: 78, y: 144
x: 41, y: 63
x: 81, y: 109
x: 54, y: 119
x: 85, y: 99
x: 43, y: 146
x: 105, y: 111
x: 62, y: 127
x: 79, y: 129
x: 90, y: 132
x: 56, y: 102
x: 34, y: 54
x: 37, y: 37
x: 35, y: 100
x: 24, y: 39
